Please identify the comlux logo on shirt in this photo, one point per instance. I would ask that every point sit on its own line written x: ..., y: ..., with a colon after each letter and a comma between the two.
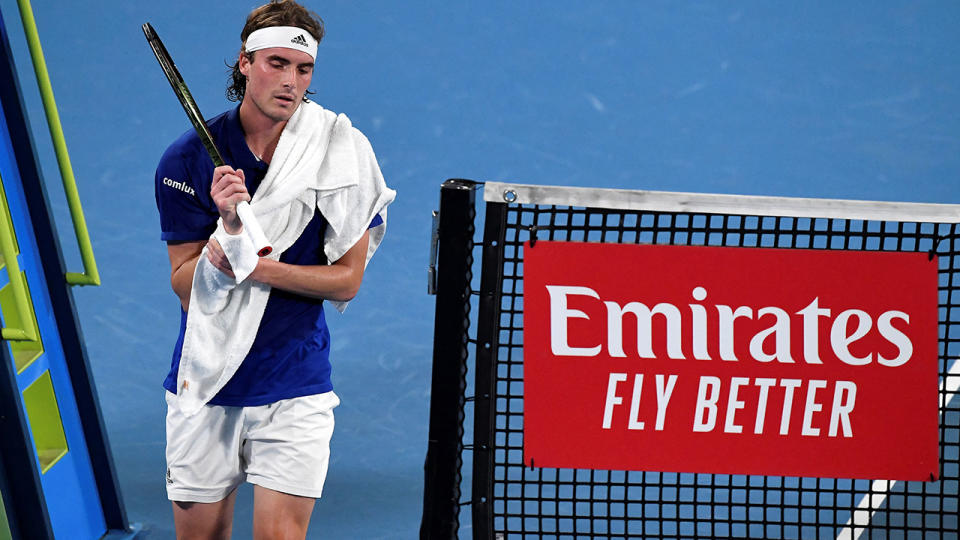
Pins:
x: 178, y: 185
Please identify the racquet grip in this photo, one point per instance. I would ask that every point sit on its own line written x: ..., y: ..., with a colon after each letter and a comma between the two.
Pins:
x: 252, y: 227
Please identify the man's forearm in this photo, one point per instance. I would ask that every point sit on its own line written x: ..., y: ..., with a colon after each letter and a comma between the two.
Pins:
x: 339, y: 281
x: 330, y: 282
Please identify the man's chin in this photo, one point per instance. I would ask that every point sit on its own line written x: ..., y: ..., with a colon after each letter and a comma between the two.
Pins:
x: 282, y: 114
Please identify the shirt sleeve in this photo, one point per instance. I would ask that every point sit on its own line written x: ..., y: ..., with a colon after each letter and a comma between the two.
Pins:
x: 187, y: 213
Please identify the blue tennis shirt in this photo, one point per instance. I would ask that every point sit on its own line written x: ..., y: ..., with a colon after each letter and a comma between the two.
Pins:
x: 290, y: 356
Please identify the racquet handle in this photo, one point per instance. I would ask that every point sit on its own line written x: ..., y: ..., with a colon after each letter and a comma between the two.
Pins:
x: 252, y: 227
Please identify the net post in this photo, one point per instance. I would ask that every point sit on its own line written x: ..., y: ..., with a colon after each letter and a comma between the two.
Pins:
x: 488, y: 318
x: 441, y: 501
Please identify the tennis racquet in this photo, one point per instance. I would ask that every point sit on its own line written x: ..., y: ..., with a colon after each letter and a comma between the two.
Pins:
x: 193, y: 113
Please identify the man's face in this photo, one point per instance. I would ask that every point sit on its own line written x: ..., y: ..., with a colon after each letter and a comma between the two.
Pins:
x: 276, y: 80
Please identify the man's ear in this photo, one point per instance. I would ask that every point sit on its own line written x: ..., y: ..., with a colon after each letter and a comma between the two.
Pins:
x: 244, y: 64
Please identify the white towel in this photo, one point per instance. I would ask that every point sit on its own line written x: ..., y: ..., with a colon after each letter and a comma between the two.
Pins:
x: 322, y: 162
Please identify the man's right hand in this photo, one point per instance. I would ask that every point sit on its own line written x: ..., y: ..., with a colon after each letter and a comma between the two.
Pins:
x: 228, y: 190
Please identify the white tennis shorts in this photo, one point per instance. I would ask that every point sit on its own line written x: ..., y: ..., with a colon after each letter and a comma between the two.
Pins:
x: 283, y: 446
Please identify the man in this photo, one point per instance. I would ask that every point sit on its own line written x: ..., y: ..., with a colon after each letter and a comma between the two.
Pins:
x: 249, y: 393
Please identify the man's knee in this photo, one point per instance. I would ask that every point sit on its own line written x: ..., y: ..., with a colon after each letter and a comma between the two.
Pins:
x: 203, y: 521
x: 279, y: 515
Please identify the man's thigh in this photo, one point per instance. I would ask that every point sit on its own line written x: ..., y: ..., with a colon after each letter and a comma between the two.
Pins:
x: 286, y: 447
x: 203, y: 453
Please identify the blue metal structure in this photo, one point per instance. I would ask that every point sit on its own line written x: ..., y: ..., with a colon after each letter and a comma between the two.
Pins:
x: 56, y: 472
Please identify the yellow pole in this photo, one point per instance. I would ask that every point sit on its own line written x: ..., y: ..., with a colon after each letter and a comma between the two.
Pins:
x: 90, y: 275
x: 27, y: 330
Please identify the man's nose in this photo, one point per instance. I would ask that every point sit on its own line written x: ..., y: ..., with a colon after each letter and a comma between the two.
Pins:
x: 290, y: 77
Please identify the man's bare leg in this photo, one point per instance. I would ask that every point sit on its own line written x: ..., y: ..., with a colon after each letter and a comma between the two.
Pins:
x: 280, y: 516
x: 204, y: 521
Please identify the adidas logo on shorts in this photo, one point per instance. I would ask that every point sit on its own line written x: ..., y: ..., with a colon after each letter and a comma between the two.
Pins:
x: 299, y: 40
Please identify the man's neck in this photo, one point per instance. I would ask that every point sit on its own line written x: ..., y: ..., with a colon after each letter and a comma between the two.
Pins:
x: 261, y: 132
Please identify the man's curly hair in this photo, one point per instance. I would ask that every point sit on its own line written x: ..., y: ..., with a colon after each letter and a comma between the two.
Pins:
x: 276, y: 13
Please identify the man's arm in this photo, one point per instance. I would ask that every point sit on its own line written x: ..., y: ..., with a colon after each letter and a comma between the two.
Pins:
x: 339, y: 281
x: 227, y: 189
x: 183, y: 261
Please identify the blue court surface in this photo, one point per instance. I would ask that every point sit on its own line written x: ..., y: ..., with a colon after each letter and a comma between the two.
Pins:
x: 813, y: 99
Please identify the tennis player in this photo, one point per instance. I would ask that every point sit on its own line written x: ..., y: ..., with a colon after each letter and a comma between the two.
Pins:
x: 249, y: 395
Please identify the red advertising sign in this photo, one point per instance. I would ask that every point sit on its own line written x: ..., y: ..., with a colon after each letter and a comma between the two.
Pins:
x: 731, y: 360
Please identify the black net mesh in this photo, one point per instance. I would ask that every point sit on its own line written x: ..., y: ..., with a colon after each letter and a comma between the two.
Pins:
x: 566, y: 503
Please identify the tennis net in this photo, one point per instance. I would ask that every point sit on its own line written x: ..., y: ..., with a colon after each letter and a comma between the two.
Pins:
x: 479, y: 485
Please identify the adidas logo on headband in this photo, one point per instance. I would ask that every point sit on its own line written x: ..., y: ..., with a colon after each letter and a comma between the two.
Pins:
x: 299, y: 40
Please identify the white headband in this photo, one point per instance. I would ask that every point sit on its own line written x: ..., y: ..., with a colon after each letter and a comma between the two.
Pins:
x: 288, y: 37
